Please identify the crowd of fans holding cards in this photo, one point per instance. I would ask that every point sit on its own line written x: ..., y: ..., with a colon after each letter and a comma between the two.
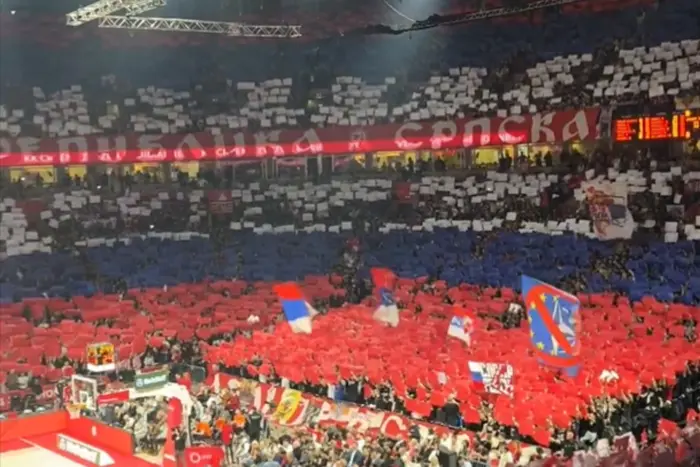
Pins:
x: 536, y: 308
x: 371, y: 365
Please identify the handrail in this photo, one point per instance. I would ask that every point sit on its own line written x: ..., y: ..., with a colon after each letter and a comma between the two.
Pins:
x: 29, y: 192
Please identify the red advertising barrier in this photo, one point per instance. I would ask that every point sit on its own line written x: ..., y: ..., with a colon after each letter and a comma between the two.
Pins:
x: 27, y: 426
x: 552, y: 127
x: 100, y: 435
x: 203, y: 456
x: 116, y: 397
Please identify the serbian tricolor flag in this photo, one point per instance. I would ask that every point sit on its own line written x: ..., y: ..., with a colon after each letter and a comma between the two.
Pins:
x: 461, y: 325
x: 297, y: 311
x: 387, y: 312
x: 553, y: 315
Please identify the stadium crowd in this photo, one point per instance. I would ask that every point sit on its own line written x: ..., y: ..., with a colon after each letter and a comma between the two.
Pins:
x: 519, y: 74
x: 645, y: 414
x: 177, y: 269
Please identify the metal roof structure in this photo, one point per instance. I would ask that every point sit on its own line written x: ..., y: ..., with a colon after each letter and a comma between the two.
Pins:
x: 192, y: 25
x: 134, y: 9
x: 103, y: 12
x: 491, y: 13
x: 103, y: 8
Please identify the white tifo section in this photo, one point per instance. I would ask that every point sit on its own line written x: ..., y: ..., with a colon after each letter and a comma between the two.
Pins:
x: 314, y: 204
x: 667, y: 69
x: 35, y: 457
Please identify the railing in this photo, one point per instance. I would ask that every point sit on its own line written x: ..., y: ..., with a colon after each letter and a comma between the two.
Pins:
x: 32, y: 191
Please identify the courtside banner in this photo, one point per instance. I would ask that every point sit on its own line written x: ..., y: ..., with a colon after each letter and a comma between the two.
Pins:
x: 79, y: 449
x: 117, y: 397
x: 151, y: 379
x: 203, y: 456
x: 552, y: 127
x: 100, y: 436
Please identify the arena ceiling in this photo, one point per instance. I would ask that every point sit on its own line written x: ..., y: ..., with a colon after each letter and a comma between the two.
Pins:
x: 263, y: 18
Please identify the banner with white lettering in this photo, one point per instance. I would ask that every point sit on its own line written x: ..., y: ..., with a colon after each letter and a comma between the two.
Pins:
x: 551, y: 127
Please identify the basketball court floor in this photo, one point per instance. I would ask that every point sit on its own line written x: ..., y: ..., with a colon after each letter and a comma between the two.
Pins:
x: 43, y: 451
x: 34, y: 456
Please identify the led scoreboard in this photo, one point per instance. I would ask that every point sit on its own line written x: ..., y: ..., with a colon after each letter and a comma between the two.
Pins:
x: 656, y: 127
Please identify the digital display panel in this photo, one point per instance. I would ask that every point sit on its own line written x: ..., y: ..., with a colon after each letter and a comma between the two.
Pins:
x: 656, y: 127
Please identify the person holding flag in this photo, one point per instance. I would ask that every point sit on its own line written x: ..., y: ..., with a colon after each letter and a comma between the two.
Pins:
x: 553, y: 315
x: 461, y: 325
x: 387, y: 311
x: 296, y: 309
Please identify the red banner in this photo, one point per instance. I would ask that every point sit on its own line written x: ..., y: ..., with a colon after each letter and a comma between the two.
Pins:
x: 220, y: 201
x: 402, y: 192
x: 311, y: 410
x: 203, y: 456
x: 552, y: 127
x: 117, y: 397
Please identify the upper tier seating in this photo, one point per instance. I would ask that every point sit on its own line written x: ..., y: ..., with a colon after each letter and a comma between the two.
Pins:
x: 570, y: 62
x: 629, y: 75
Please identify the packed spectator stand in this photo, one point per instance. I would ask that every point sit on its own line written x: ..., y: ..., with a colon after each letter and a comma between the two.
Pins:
x: 278, y: 252
x: 654, y: 74
x: 177, y: 270
x: 648, y: 61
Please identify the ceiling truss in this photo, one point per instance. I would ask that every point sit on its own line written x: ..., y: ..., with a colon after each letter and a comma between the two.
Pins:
x: 127, y: 18
x: 192, y: 25
x: 493, y: 13
x: 138, y: 8
x: 103, y: 8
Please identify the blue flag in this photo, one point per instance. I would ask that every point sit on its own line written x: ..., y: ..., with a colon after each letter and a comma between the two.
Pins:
x: 553, y: 315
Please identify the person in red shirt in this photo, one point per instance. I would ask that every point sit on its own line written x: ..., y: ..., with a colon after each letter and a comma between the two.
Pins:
x: 227, y: 439
x: 233, y: 402
x: 185, y: 380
